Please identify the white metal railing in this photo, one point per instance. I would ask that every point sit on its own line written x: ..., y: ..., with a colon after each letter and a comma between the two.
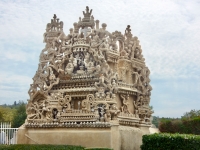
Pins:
x: 8, y: 135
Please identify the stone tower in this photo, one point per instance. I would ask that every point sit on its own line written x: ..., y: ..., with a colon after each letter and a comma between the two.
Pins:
x: 90, y: 78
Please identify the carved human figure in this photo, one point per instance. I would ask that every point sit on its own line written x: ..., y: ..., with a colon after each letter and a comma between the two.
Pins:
x: 113, y: 44
x: 128, y: 33
x: 114, y: 85
x: 52, y: 77
x: 55, y: 112
x: 101, y: 85
x: 97, y: 95
x: 108, y: 95
x: 114, y: 111
x: 37, y: 110
x: 32, y: 111
x: 102, y: 33
x: 90, y: 67
x: 87, y: 104
x: 125, y: 107
x: 101, y: 110
x: 141, y: 101
x: 107, y: 116
x: 104, y: 45
x: 95, y: 42
x: 91, y: 35
x: 97, y: 69
x: 49, y: 114
x: 69, y: 68
x: 58, y: 115
x: 135, y: 109
x: 136, y: 113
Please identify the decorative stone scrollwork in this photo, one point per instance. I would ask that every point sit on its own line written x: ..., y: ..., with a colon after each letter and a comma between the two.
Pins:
x: 88, y: 76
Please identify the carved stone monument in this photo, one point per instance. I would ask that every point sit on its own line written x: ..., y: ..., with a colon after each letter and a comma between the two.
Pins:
x: 91, y: 87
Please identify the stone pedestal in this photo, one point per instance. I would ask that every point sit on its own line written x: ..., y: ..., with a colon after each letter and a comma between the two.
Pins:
x: 116, y: 137
x: 130, y: 137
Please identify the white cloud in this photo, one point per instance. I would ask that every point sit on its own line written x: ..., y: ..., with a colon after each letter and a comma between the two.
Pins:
x: 15, y: 80
x: 16, y: 56
x: 8, y: 97
x: 13, y: 87
x: 173, y: 97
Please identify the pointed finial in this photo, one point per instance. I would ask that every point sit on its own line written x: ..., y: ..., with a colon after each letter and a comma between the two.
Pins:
x: 54, y: 16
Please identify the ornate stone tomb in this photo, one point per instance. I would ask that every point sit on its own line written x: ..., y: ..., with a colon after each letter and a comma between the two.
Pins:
x: 89, y: 78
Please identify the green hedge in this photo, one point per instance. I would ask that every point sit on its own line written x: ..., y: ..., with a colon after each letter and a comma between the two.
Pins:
x: 40, y: 147
x: 182, y: 126
x: 166, y: 141
x: 46, y: 147
x: 97, y: 149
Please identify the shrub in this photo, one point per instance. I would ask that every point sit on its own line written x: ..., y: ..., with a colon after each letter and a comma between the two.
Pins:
x: 170, y: 142
x: 40, y: 147
x: 19, y: 115
x: 184, y: 126
x: 97, y: 149
x: 46, y: 147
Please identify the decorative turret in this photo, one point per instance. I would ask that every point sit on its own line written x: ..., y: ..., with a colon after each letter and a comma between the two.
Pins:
x: 87, y: 15
x: 88, y: 19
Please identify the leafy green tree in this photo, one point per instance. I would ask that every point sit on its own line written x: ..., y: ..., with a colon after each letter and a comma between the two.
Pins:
x: 7, y: 113
x: 19, y: 116
x: 1, y: 117
x: 15, y: 103
x: 156, y: 121
x: 189, y: 123
x: 190, y: 115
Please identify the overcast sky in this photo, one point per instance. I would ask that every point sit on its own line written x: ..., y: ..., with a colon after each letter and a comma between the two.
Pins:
x: 169, y: 33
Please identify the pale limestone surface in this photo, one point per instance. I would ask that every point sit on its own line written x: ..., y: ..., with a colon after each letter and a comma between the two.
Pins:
x: 89, y: 79
x: 131, y: 138
x: 116, y: 137
x: 154, y: 130
x: 88, y: 137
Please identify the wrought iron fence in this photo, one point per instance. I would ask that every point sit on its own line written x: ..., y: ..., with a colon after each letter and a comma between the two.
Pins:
x: 8, y: 135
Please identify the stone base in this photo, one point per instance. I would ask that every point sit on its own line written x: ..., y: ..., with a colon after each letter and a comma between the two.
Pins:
x: 130, y: 137
x: 116, y: 137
